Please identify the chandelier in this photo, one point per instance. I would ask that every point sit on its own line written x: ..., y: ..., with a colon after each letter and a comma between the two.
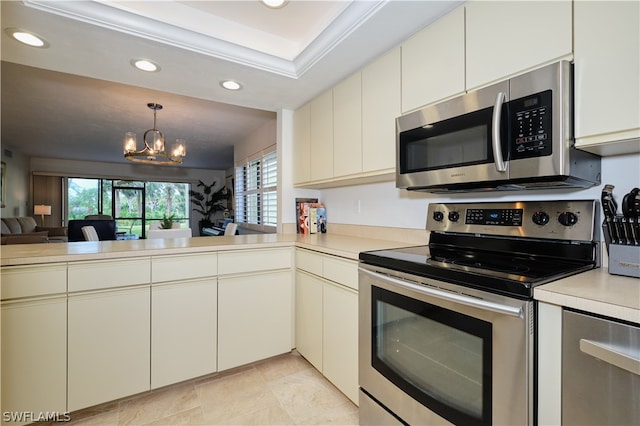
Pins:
x: 153, y: 151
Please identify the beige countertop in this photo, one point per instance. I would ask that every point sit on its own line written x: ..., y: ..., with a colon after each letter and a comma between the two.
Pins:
x: 597, y: 292
x: 594, y: 291
x: 338, y: 245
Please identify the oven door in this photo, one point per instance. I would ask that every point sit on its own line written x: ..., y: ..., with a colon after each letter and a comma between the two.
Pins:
x: 432, y: 353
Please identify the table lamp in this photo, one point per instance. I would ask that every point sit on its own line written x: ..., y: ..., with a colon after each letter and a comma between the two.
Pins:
x: 42, y: 210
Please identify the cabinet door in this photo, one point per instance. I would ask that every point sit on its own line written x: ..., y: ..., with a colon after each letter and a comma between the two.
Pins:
x: 183, y: 331
x: 255, y: 317
x: 500, y: 40
x: 380, y: 107
x: 321, y: 125
x: 340, y: 339
x: 309, y: 318
x: 347, y: 126
x: 302, y: 145
x: 607, y: 70
x: 34, y: 356
x: 109, y: 345
x: 433, y: 62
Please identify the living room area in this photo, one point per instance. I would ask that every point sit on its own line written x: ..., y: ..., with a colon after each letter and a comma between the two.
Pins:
x: 50, y: 200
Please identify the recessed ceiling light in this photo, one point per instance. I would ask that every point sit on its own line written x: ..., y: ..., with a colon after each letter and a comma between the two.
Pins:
x: 231, y: 85
x: 27, y: 37
x: 145, y: 65
x: 274, y: 4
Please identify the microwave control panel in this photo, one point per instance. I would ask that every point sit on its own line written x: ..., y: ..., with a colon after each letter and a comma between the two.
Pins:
x: 531, y: 126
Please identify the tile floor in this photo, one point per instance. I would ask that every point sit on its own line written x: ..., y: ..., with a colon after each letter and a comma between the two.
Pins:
x: 284, y: 390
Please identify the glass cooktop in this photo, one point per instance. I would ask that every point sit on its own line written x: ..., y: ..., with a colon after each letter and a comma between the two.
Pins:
x: 509, y: 274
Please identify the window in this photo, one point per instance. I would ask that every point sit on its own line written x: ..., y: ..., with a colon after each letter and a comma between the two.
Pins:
x: 133, y: 205
x: 256, y: 192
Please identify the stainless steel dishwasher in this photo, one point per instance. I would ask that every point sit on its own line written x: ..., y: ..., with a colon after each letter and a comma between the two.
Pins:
x: 600, y: 371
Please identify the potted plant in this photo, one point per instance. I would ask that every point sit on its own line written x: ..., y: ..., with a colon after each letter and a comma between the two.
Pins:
x: 207, y: 202
x: 167, y: 222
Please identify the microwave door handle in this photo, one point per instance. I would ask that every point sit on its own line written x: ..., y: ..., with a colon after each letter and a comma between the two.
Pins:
x: 495, y: 133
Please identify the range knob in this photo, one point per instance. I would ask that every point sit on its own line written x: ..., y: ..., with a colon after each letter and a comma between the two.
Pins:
x: 540, y: 218
x: 438, y: 216
x: 454, y: 216
x: 567, y: 218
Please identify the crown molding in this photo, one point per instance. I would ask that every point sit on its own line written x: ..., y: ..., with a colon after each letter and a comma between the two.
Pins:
x: 112, y: 18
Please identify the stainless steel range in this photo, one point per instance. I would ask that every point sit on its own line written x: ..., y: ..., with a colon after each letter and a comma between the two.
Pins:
x: 448, y: 330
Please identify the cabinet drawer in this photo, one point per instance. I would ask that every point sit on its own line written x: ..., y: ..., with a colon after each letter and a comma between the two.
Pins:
x: 239, y: 262
x: 29, y: 281
x: 310, y: 262
x: 183, y: 267
x: 341, y: 271
x: 85, y: 276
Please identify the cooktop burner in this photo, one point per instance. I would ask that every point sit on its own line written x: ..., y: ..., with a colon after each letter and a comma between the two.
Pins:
x: 513, y: 254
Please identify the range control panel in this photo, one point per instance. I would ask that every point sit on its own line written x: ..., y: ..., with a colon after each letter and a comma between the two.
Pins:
x: 566, y: 220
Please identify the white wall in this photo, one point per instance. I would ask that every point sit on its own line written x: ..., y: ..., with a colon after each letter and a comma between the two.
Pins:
x: 262, y: 138
x: 382, y: 204
x: 17, y: 183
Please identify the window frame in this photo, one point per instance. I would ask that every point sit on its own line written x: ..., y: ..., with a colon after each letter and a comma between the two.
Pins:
x: 256, y: 191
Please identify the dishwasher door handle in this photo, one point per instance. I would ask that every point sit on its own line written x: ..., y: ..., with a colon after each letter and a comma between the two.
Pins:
x: 611, y: 355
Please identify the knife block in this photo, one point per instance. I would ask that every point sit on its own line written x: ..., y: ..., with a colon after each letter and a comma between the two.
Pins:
x: 624, y: 260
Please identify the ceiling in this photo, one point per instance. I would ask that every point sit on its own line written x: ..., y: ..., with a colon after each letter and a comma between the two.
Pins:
x: 77, y: 97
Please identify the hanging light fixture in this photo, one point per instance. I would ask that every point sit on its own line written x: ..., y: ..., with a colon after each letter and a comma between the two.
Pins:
x: 153, y: 151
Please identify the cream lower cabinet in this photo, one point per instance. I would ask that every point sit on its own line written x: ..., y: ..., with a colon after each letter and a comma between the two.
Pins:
x: 327, y: 317
x: 255, y: 305
x: 309, y: 318
x: 340, y: 338
x: 34, y: 341
x: 108, y: 331
x: 184, y: 317
x: 183, y: 330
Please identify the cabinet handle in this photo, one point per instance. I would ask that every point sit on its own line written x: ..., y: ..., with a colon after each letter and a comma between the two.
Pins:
x: 611, y: 355
x: 495, y: 133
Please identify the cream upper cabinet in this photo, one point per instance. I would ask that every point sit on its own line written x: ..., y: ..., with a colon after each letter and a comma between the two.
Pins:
x: 433, y: 62
x: 347, y: 126
x: 508, y: 37
x: 380, y: 107
x: 321, y: 130
x: 302, y: 145
x: 607, y: 76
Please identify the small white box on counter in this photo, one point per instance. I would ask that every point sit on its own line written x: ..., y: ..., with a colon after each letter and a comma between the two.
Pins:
x: 624, y: 260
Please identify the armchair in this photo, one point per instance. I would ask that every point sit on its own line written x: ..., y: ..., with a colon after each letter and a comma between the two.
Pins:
x: 106, y: 229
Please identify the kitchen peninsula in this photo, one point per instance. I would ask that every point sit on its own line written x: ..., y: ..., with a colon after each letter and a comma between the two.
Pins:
x: 131, y: 316
x: 122, y: 317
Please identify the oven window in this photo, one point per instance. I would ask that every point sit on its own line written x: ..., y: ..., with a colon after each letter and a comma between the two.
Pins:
x: 439, y: 357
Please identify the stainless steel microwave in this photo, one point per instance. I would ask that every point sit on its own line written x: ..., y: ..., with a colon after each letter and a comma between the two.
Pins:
x: 516, y: 134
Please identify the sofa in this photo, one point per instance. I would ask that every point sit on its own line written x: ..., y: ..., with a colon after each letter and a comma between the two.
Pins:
x: 25, y: 230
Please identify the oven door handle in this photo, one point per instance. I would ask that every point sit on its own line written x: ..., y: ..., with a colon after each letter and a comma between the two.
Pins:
x: 451, y: 297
